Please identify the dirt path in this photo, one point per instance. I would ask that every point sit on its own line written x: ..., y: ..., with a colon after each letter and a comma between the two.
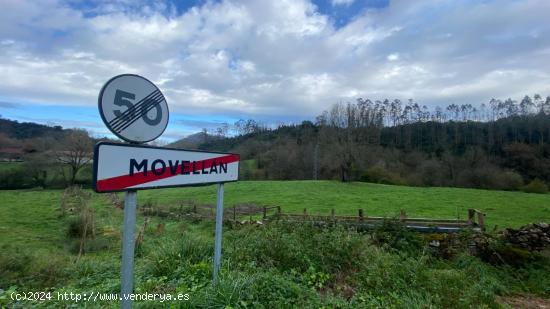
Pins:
x: 525, y: 301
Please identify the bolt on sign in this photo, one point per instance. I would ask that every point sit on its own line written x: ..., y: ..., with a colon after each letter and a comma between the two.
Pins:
x: 135, y: 110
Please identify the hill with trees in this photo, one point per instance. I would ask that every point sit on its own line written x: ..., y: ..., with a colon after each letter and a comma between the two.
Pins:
x: 32, y: 155
x: 499, y: 145
x: 504, y: 144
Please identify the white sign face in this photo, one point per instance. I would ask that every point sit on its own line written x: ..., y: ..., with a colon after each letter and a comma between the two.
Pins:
x: 133, y: 108
x: 119, y: 167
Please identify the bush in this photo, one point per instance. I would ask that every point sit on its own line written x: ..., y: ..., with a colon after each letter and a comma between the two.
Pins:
x: 13, y: 264
x: 489, y: 177
x: 92, y: 271
x: 509, y: 181
x: 15, y: 179
x: 30, y: 268
x: 394, y: 235
x: 378, y: 174
x: 166, y: 255
x: 431, y: 173
x: 536, y: 186
x: 299, y: 247
x: 75, y: 228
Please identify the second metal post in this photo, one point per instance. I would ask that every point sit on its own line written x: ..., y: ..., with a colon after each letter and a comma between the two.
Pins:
x: 127, y: 274
x: 218, y: 240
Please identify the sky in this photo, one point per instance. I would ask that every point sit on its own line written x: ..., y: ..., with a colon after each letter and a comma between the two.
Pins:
x: 274, y: 61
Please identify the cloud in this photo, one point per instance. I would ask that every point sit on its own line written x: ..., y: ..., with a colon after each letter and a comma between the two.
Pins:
x: 393, y: 57
x: 342, y: 2
x: 275, y: 59
x: 9, y: 105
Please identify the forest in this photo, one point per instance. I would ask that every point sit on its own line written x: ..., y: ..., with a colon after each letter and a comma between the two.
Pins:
x: 499, y: 145
x: 503, y: 145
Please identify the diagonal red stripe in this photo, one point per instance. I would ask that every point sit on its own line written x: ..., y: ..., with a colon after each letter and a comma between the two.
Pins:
x: 126, y: 181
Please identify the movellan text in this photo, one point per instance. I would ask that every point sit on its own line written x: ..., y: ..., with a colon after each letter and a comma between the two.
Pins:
x: 177, y: 167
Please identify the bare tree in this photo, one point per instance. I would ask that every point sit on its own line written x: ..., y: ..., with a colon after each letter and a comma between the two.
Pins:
x: 222, y: 130
x: 75, y: 150
x: 240, y: 127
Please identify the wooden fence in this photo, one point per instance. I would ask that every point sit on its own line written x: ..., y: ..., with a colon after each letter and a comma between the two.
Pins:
x: 251, y: 212
x: 476, y: 220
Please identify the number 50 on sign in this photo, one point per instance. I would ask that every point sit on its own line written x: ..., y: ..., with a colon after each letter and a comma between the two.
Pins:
x: 133, y: 108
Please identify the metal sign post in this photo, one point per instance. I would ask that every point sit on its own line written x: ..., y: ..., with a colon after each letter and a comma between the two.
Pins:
x: 218, y: 240
x: 128, y: 243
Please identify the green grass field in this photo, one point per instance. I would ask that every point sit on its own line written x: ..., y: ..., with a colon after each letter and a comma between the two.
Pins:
x: 503, y: 209
x: 25, y: 213
x: 273, y: 266
x: 31, y: 216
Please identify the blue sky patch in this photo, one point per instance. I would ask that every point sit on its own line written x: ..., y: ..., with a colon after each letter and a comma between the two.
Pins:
x: 343, y: 13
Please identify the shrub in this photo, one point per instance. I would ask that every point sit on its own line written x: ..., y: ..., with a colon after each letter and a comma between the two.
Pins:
x: 48, y: 270
x: 92, y: 271
x: 536, y: 186
x: 13, y: 264
x: 509, y: 180
x: 166, y: 255
x: 260, y: 288
x: 394, y: 235
x: 489, y: 177
x: 15, y: 179
x: 431, y: 173
x: 230, y: 292
x: 274, y: 290
x: 30, y: 268
x: 76, y: 225
x: 299, y: 247
x: 378, y: 174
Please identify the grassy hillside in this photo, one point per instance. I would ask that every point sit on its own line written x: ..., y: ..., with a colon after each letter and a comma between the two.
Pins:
x: 276, y: 265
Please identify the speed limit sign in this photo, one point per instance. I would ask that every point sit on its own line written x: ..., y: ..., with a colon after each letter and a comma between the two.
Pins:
x: 133, y: 108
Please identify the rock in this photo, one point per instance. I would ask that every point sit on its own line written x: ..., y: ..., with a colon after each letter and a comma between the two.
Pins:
x: 533, y: 237
x: 434, y: 243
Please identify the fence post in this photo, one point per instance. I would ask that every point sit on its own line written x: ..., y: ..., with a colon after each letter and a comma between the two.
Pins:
x: 402, y: 214
x: 471, y: 213
x: 481, y: 220
x: 332, y: 214
x: 235, y: 213
x: 264, y: 213
x: 361, y: 214
x: 305, y: 211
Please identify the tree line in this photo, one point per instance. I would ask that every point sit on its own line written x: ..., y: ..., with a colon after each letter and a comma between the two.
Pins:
x: 35, y: 155
x: 503, y: 144
x: 500, y: 145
